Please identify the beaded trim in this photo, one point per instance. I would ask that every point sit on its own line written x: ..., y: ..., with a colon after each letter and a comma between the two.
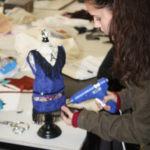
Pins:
x: 48, y: 98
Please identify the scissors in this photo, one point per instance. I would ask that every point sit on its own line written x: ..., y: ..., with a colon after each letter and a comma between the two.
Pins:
x: 17, y: 127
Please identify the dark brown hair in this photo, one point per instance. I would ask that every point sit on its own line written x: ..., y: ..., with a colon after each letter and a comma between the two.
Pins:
x: 130, y: 33
x: 130, y: 30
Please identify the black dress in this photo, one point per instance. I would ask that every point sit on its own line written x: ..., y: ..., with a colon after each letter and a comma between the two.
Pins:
x: 92, y: 141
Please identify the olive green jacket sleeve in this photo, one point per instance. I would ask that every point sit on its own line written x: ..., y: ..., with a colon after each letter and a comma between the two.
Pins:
x: 132, y: 128
x: 127, y: 94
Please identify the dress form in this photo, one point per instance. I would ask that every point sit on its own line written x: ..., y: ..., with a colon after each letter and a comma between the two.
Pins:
x: 46, y: 63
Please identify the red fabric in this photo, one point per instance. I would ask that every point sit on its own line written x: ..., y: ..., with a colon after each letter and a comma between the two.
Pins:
x: 24, y: 83
x: 75, y: 119
x: 118, y: 101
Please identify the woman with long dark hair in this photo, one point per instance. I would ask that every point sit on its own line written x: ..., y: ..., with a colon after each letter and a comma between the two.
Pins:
x: 128, y: 24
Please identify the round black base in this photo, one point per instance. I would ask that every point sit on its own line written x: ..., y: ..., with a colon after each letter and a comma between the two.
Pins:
x: 49, y: 131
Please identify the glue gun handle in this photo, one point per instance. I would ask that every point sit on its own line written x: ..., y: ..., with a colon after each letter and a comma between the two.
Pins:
x: 112, y: 105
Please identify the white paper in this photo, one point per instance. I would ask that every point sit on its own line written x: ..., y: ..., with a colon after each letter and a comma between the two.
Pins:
x: 11, y: 101
x: 84, y: 69
x: 51, y: 4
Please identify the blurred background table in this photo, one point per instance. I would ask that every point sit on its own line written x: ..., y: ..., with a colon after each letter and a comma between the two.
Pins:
x: 71, y: 138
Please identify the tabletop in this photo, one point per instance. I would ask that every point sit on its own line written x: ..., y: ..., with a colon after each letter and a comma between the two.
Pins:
x: 71, y: 138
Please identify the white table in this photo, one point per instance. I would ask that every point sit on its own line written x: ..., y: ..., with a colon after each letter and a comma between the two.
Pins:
x: 70, y: 138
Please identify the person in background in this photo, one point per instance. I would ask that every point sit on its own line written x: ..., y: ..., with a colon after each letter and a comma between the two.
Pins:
x: 127, y: 23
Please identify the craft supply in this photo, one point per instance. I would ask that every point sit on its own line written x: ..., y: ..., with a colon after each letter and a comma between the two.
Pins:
x: 97, y: 91
x: 18, y: 127
x: 1, y: 104
x: 46, y: 63
x: 26, y: 4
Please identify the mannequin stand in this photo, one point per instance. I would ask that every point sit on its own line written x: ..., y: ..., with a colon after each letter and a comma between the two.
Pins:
x: 49, y: 129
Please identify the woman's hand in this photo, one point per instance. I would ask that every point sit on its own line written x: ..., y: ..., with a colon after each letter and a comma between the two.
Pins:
x: 110, y: 96
x: 68, y: 118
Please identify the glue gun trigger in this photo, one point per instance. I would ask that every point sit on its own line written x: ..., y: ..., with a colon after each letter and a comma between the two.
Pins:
x: 100, y: 102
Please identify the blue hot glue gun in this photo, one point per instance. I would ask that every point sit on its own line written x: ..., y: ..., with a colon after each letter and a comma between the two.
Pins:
x: 97, y: 91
